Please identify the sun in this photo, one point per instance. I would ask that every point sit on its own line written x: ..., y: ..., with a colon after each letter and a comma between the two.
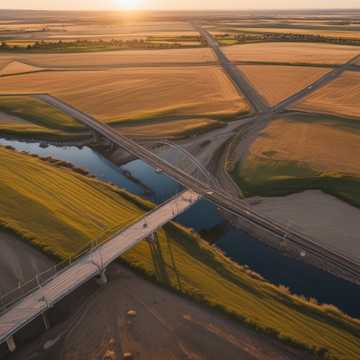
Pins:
x: 129, y: 4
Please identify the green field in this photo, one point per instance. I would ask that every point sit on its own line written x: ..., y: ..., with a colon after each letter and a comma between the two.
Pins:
x: 41, y: 120
x: 39, y: 199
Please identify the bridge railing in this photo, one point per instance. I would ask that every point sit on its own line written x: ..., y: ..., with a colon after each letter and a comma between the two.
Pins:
x: 24, y: 289
x: 39, y: 280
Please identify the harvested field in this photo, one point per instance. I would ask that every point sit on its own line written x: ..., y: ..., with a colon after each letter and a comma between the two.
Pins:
x: 114, y: 58
x: 17, y: 67
x: 292, y: 53
x: 170, y: 129
x: 309, y: 143
x: 340, y: 97
x: 275, y: 83
x: 298, y: 153
x: 137, y: 93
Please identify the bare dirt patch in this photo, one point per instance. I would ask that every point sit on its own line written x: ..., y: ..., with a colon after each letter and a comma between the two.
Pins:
x: 136, y: 92
x: 333, y: 223
x: 136, y: 310
x: 340, y: 97
x: 276, y: 83
x: 310, y: 53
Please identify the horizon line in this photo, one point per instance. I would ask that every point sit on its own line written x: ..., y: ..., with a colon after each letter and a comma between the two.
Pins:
x: 189, y: 10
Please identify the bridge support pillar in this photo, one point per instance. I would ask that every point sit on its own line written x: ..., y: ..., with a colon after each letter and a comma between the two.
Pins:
x: 102, y: 278
x: 45, y: 321
x: 11, y: 344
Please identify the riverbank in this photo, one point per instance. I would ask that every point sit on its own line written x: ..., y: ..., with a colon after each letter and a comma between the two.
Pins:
x: 185, y: 263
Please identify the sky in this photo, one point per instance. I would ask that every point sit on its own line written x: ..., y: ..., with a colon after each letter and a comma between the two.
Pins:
x: 176, y: 4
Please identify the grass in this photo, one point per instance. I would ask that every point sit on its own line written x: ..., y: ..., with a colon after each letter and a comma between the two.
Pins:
x: 280, y: 178
x: 39, y: 198
x: 145, y: 93
x: 42, y: 121
x: 37, y: 112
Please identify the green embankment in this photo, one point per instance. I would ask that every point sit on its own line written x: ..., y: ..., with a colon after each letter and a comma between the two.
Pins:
x: 42, y: 121
x: 60, y: 211
x: 280, y: 178
x: 38, y: 120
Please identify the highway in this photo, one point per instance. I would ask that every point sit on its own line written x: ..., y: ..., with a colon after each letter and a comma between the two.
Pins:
x: 316, y: 85
x: 336, y: 261
x: 255, y: 99
x: 236, y: 76
x: 91, y: 264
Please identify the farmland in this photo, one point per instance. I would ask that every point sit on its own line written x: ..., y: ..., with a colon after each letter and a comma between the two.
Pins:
x: 286, y: 79
x: 204, y: 272
x: 169, y: 128
x: 137, y: 93
x: 253, y: 131
x: 340, y: 97
x: 307, y: 53
x: 113, y: 58
x: 293, y: 154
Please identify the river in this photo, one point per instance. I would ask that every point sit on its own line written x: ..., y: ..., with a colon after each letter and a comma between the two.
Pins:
x: 205, y: 218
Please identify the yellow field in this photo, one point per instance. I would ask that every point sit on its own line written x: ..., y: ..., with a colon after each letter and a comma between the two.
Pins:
x: 39, y: 199
x: 113, y: 58
x: 276, y: 83
x: 340, y: 97
x: 124, y: 29
x: 170, y: 129
x: 325, y: 32
x: 17, y: 67
x: 292, y: 53
x: 136, y: 92
x: 325, y: 147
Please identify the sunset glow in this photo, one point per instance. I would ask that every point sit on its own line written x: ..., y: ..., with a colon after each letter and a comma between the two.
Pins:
x: 129, y: 4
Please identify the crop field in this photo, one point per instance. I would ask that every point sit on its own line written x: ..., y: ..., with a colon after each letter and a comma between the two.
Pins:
x: 308, y: 53
x: 125, y: 29
x: 51, y: 198
x: 339, y: 97
x: 137, y: 93
x: 169, y: 129
x: 300, y: 152
x: 112, y: 58
x: 276, y: 83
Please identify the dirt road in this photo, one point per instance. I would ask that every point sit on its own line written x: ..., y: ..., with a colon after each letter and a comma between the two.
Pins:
x: 165, y: 327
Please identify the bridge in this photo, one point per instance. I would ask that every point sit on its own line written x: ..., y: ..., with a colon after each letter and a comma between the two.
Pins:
x: 334, y: 260
x: 92, y: 263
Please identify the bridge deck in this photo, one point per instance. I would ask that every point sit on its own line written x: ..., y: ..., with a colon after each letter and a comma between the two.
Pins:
x: 91, y: 264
